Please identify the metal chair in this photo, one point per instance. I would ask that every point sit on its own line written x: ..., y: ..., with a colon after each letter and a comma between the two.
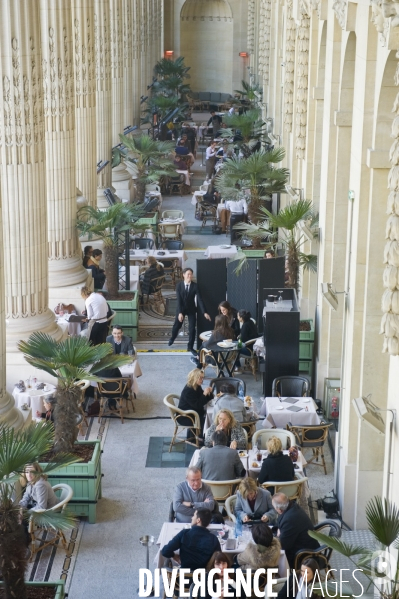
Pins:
x: 229, y: 506
x: 215, y: 384
x: 172, y: 244
x: 323, y: 553
x: 112, y: 388
x: 222, y: 490
x: 287, y: 438
x: 55, y: 535
x: 290, y: 386
x: 144, y: 243
x: 291, y: 488
x: 312, y: 436
x: 173, y: 214
x: 175, y: 413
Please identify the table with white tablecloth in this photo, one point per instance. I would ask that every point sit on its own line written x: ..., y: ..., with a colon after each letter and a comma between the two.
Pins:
x: 220, y: 251
x: 141, y: 255
x: 186, y: 174
x: 249, y: 460
x: 74, y: 328
x: 33, y: 397
x: 278, y: 414
x: 171, y: 529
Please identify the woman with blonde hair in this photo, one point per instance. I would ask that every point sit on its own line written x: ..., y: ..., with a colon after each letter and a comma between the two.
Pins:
x: 39, y: 494
x: 153, y: 272
x: 193, y: 397
x: 254, y: 503
x: 276, y: 466
x: 225, y: 421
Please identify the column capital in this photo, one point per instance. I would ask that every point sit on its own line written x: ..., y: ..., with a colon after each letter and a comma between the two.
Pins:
x: 385, y: 16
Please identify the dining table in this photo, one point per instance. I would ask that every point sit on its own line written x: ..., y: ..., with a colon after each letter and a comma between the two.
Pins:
x: 221, y: 251
x: 248, y: 458
x: 142, y: 255
x: 186, y: 174
x: 33, y: 397
x: 171, y: 529
x: 74, y: 328
x: 281, y: 410
x: 224, y: 356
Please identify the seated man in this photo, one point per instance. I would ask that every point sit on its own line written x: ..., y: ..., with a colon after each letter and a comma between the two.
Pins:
x: 293, y: 523
x: 220, y: 462
x: 182, y: 150
x: 121, y: 344
x: 230, y: 401
x: 196, y: 544
x: 192, y: 495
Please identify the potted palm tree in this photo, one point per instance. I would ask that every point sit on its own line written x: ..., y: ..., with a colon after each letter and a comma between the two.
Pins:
x: 379, y: 560
x: 19, y: 448
x: 284, y: 228
x: 71, y: 361
x: 250, y: 127
x: 259, y: 174
x: 249, y: 91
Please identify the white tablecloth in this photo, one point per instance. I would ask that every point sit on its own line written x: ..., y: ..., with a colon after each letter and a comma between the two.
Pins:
x: 271, y: 408
x: 196, y: 196
x: 33, y: 397
x: 174, y: 221
x: 217, y: 251
x: 140, y: 255
x: 171, y: 529
x: 74, y: 328
x: 248, y: 461
x: 186, y: 176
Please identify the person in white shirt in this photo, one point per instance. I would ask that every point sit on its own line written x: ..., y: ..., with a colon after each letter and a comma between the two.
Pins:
x: 210, y: 156
x: 96, y: 308
x: 231, y: 110
x: 238, y: 207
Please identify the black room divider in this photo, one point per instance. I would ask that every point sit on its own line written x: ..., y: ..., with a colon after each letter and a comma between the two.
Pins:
x: 242, y: 289
x: 212, y: 283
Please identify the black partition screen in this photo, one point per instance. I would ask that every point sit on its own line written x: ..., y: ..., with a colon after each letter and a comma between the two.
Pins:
x: 271, y: 274
x: 242, y: 289
x: 212, y: 283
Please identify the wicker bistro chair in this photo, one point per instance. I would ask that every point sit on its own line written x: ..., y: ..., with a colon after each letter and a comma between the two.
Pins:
x: 175, y: 412
x: 173, y: 214
x: 222, y: 490
x: 251, y: 362
x: 229, y: 506
x: 263, y: 435
x: 291, y: 488
x: 207, y: 212
x: 290, y: 386
x: 206, y: 353
x: 169, y: 231
x: 156, y: 292
x: 312, y: 437
x: 115, y: 388
x: 55, y: 535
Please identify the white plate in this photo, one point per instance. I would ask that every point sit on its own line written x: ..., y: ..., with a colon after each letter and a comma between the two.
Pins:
x: 242, y: 455
x: 225, y: 247
x: 305, y: 400
x: 225, y: 345
x: 279, y: 408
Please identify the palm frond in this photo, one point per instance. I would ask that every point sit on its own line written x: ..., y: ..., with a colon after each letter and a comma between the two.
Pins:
x: 343, y: 548
x: 383, y: 520
x: 308, y: 261
x: 289, y: 216
x: 52, y: 520
x: 59, y: 460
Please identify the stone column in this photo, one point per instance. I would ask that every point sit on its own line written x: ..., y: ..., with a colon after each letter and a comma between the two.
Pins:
x: 85, y: 98
x: 127, y: 8
x: 23, y: 175
x: 65, y: 261
x: 136, y: 62
x: 117, y: 69
x: 102, y: 33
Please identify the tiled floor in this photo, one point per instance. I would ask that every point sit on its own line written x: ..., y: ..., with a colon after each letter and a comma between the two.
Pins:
x: 159, y: 456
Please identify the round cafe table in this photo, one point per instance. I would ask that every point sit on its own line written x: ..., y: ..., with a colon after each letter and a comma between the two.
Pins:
x: 33, y: 397
x: 225, y: 354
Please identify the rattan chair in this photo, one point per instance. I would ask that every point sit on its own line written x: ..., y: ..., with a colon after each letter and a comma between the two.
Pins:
x: 156, y: 291
x: 206, y: 353
x: 222, y: 490
x: 169, y: 231
x: 229, y: 506
x: 175, y: 413
x: 173, y: 214
x: 291, y: 488
x: 52, y: 536
x: 312, y: 437
x: 264, y: 434
x: 113, y: 388
x: 251, y: 362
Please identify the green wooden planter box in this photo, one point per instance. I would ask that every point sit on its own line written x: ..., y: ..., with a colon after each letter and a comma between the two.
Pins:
x: 59, y: 586
x: 151, y: 220
x: 306, y: 367
x: 85, y: 480
x: 127, y: 315
x: 306, y: 350
x: 254, y: 253
x: 307, y: 335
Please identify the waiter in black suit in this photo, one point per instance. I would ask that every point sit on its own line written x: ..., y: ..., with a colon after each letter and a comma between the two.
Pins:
x: 186, y: 291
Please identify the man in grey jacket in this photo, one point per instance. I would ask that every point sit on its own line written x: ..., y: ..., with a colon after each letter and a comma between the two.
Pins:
x: 230, y: 401
x: 220, y: 462
x: 192, y: 494
x: 121, y: 344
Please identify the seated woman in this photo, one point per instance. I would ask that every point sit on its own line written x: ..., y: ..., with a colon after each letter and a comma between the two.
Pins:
x: 39, y: 494
x: 221, y: 332
x: 88, y: 251
x: 225, y: 421
x: 48, y: 414
x: 222, y: 562
x: 229, y: 400
x: 98, y: 273
x: 254, y: 503
x: 295, y: 586
x: 247, y: 332
x: 227, y: 310
x: 153, y: 272
x: 193, y: 397
x: 276, y: 466
x: 263, y: 552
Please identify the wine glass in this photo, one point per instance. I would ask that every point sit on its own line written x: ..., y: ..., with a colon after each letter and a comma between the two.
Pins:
x: 130, y: 353
x: 280, y: 297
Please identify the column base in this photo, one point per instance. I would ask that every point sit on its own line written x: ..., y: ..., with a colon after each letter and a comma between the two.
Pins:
x: 65, y: 273
x: 70, y: 294
x: 10, y: 415
x: 21, y: 328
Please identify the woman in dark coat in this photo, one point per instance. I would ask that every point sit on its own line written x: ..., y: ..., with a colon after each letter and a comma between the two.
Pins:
x: 277, y: 466
x: 227, y: 310
x: 193, y: 397
x: 154, y: 271
x: 306, y: 574
x: 247, y: 332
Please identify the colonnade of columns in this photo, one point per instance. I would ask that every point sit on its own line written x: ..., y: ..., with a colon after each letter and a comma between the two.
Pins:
x: 327, y: 68
x: 70, y: 80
